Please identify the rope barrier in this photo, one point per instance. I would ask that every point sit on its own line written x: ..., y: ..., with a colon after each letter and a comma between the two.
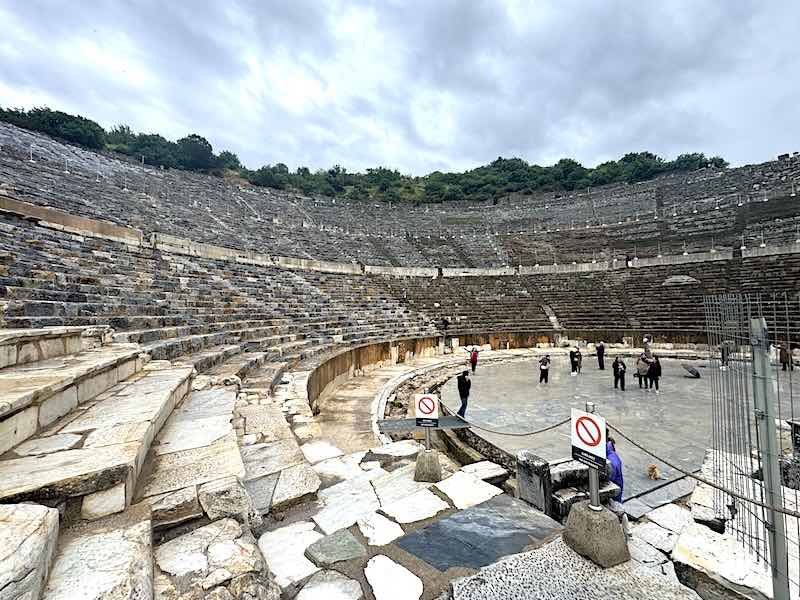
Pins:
x: 713, y: 484
x: 516, y: 434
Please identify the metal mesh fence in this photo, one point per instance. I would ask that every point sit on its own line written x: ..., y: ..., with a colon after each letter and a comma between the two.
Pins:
x: 754, y: 387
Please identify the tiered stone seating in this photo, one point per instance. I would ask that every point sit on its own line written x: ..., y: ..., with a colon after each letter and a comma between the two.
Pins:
x: 696, y: 209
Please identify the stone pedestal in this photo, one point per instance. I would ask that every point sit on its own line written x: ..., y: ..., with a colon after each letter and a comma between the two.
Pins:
x: 597, y: 535
x: 534, y: 485
x: 429, y: 469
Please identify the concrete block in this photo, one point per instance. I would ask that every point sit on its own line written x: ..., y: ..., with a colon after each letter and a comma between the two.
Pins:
x: 534, y: 485
x: 597, y: 535
x: 429, y: 468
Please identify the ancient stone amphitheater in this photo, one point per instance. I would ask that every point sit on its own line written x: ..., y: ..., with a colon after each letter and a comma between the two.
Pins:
x: 171, y: 342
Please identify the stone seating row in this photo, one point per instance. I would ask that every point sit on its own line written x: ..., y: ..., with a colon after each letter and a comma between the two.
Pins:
x: 292, y: 224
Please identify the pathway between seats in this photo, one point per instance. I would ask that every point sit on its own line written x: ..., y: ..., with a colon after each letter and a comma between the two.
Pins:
x: 345, y: 417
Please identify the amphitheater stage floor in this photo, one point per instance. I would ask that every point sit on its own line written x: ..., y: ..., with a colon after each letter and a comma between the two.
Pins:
x: 675, y: 424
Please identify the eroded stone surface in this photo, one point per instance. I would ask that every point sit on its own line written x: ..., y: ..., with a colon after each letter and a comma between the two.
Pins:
x: 294, y: 485
x: 655, y: 535
x: 265, y: 459
x: 466, y: 490
x: 175, y: 507
x: 423, y: 504
x: 319, y: 450
x: 110, y: 559
x: 671, y: 517
x: 330, y: 585
x: 200, y: 421
x: 284, y: 551
x: 220, y: 560
x: 379, y: 530
x: 261, y: 491
x: 701, y: 553
x: 555, y: 572
x: 347, y: 502
x: 389, y: 453
x: 336, y: 470
x: 486, y: 470
x: 104, y: 503
x: 28, y: 534
x: 227, y: 497
x: 397, y: 484
x: 46, y: 445
x: 390, y: 581
x: 334, y: 548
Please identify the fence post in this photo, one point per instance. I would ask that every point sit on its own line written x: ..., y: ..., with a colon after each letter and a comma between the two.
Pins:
x: 764, y: 412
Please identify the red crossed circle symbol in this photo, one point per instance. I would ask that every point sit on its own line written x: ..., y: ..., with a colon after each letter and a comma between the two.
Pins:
x: 427, y: 405
x: 588, y: 431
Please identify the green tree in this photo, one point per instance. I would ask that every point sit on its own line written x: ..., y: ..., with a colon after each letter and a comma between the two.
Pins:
x: 195, y: 153
x: 228, y: 160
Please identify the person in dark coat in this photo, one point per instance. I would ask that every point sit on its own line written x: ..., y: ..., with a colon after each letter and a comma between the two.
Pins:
x: 654, y: 373
x: 573, y: 361
x: 619, y: 369
x: 601, y: 356
x: 785, y: 357
x: 544, y: 369
x: 464, y: 384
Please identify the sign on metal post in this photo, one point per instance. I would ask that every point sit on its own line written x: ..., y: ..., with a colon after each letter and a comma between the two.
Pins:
x: 588, y: 434
x: 427, y: 410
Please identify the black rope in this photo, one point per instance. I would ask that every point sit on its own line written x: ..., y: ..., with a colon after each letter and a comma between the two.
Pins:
x: 517, y: 434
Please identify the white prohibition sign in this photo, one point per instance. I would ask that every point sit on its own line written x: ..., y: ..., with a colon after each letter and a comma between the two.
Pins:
x: 427, y: 406
x: 589, y: 433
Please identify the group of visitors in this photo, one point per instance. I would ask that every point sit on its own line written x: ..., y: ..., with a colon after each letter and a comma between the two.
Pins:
x: 648, y: 367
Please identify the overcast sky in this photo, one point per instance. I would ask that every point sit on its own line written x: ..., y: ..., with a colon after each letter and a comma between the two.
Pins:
x: 419, y: 86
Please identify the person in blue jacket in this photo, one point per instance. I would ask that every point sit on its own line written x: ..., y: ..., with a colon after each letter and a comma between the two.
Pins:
x: 615, y: 467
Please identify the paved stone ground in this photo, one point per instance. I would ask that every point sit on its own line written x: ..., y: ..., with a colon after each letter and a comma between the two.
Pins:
x: 676, y: 423
x: 345, y: 418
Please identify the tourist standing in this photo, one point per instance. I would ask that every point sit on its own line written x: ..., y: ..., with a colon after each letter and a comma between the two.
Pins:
x: 785, y: 358
x: 573, y: 361
x: 601, y: 353
x: 579, y: 359
x: 544, y: 369
x: 464, y: 385
x: 619, y: 369
x: 654, y: 373
x: 473, y: 358
x: 642, y: 367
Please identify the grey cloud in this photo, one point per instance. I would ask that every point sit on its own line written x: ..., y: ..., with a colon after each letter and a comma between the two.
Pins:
x: 537, y: 80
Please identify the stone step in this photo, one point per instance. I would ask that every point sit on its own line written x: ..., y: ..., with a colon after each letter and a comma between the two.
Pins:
x: 210, y: 357
x: 88, y: 461
x: 238, y: 366
x: 109, y: 559
x: 34, y: 395
x: 22, y: 346
x: 196, y: 447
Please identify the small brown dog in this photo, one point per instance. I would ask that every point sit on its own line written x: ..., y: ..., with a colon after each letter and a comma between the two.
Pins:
x: 652, y: 472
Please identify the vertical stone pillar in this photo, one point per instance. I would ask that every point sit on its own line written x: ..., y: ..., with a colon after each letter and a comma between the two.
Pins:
x: 534, y: 484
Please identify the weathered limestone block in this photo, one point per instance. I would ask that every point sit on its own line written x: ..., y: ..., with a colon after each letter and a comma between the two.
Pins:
x: 18, y: 428
x: 227, y: 497
x: 28, y: 534
x: 110, y: 559
x: 597, y: 535
x: 718, y: 566
x: 103, y: 503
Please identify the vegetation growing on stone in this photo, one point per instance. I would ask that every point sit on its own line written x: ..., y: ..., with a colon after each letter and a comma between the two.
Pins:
x: 498, y: 178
